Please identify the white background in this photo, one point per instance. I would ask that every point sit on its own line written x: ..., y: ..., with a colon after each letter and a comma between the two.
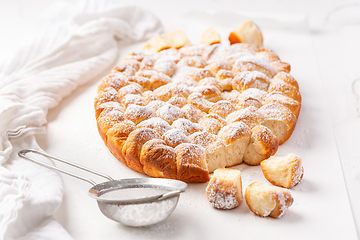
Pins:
x: 335, y: 32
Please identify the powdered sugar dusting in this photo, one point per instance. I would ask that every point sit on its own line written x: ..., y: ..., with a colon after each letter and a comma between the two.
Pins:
x: 186, y: 126
x: 169, y: 113
x: 175, y: 137
x: 222, y: 197
x: 157, y: 124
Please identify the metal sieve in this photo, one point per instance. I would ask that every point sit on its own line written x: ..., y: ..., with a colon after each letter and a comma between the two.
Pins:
x: 133, y: 202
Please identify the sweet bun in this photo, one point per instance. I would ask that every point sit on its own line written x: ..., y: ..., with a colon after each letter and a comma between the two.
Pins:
x: 133, y: 88
x: 225, y: 78
x: 191, y: 112
x: 263, y: 144
x: 267, y: 55
x: 116, y: 81
x: 191, y: 164
x: 279, y: 119
x: 217, y: 65
x: 107, y: 119
x: 175, y: 137
x: 282, y: 99
x: 212, y: 123
x: 108, y: 94
x: 250, y: 79
x: 177, y: 101
x: 186, y: 126
x: 247, y: 32
x: 193, y: 61
x: 250, y: 116
x: 176, y: 39
x: 248, y: 101
x: 198, y: 74
x: 158, y: 159
x: 199, y: 101
x: 210, y: 93
x: 222, y: 108
x: 236, y: 136
x: 132, y: 147
x: 116, y: 137
x: 287, y: 78
x: 169, y: 113
x: 232, y: 96
x: 210, y: 36
x: 215, y: 155
x: 181, y: 110
x: 252, y: 63
x: 212, y: 82
x: 149, y: 96
x: 224, y: 190
x: 284, y: 171
x: 158, y: 79
x: 280, y: 66
x: 254, y: 93
x: 138, y: 113
x: 265, y: 200
x: 279, y: 85
x: 158, y: 124
x: 107, y: 105
x: 133, y: 99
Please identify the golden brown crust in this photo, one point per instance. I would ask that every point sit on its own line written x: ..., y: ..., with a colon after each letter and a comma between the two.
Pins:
x: 115, y: 81
x: 116, y: 137
x: 245, y: 80
x: 287, y: 78
x: 250, y: 116
x: 108, y: 118
x: 158, y: 160
x: 224, y: 190
x: 191, y: 165
x: 267, y: 55
x: 133, y: 144
x: 286, y: 88
x: 262, y: 145
x: 279, y: 119
x: 282, y: 99
x: 212, y: 123
x: 253, y: 64
x: 280, y: 66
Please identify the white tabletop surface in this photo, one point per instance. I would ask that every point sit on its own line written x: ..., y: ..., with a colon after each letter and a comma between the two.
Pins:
x: 335, y: 32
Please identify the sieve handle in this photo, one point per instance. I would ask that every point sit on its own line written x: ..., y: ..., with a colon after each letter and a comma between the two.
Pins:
x: 22, y: 153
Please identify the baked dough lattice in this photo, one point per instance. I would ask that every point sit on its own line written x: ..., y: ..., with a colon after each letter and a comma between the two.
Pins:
x: 185, y: 111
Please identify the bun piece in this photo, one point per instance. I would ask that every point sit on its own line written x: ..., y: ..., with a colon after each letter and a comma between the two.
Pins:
x: 224, y: 190
x: 265, y: 200
x: 284, y: 171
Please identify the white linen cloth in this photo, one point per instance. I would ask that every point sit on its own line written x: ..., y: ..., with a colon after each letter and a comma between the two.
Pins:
x: 35, y: 80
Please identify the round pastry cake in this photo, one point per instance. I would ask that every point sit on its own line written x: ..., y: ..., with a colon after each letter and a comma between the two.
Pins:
x: 185, y: 110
